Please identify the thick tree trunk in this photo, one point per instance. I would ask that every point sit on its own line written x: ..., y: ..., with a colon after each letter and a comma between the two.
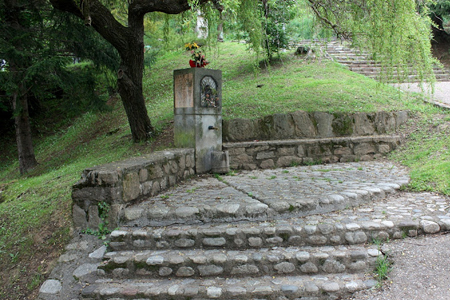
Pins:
x: 129, y: 80
x: 27, y: 160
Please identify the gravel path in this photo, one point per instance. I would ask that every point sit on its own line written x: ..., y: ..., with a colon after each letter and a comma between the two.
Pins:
x: 421, y: 271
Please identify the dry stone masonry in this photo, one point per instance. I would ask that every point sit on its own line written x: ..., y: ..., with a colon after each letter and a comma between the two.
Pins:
x: 271, y: 154
x: 304, y: 125
x: 123, y: 183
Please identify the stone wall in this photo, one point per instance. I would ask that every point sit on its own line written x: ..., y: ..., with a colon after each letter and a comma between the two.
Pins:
x: 300, y: 125
x: 270, y: 154
x: 125, y: 182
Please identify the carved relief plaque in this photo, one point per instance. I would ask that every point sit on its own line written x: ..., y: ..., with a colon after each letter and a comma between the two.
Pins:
x: 209, y: 94
x: 184, y: 90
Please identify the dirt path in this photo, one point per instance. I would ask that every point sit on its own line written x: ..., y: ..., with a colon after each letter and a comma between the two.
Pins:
x: 421, y: 271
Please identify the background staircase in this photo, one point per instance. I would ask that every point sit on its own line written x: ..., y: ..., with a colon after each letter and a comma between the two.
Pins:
x: 360, y: 62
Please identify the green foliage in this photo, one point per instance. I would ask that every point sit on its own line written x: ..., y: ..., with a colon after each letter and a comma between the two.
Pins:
x: 426, y: 154
x: 396, y: 33
x: 103, y: 230
x: 440, y: 8
x: 250, y: 20
x: 382, y: 268
x: 40, y: 52
x: 277, y: 15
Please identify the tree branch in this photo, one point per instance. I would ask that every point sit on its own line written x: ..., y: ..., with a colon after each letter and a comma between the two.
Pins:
x: 333, y: 26
x: 166, y: 6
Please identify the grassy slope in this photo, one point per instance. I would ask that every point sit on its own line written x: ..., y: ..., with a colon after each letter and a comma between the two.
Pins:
x: 35, y: 209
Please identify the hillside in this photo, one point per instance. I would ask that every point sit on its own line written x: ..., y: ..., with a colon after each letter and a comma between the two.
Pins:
x: 35, y: 220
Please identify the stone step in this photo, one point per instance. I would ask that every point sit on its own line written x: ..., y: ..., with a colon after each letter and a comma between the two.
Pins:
x: 266, y: 287
x: 253, y: 262
x: 391, y: 218
x: 377, y: 69
x: 304, y: 191
x: 361, y: 63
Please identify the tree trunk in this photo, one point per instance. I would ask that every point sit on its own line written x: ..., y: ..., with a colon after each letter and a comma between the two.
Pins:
x: 27, y: 160
x: 129, y: 80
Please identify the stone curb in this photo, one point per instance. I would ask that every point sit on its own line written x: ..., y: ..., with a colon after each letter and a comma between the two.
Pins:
x: 260, y: 262
x: 266, y: 235
x: 293, y: 287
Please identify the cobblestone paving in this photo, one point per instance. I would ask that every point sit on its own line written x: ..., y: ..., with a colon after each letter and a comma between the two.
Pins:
x: 230, y: 254
x: 262, y: 194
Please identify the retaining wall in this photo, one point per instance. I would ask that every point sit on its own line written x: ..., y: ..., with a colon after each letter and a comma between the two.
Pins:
x: 301, y: 125
x: 125, y: 182
x: 270, y: 154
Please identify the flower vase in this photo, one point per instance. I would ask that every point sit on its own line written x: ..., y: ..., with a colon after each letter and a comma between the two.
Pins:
x: 192, y: 63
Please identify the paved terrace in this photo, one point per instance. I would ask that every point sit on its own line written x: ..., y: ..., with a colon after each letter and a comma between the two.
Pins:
x: 287, y: 233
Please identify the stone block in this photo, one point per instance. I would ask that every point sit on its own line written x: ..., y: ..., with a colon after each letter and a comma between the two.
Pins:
x: 156, y: 188
x: 238, y: 130
x: 303, y: 125
x: 384, y: 148
x: 342, y: 124
x: 324, y: 123
x: 79, y: 217
x: 283, y: 127
x: 172, y: 180
x: 287, y: 161
x: 182, y: 162
x: 156, y: 172
x: 166, y: 168
x: 256, y: 149
x: 146, y: 188
x: 318, y: 150
x: 265, y: 155
x: 401, y: 118
x: 107, y: 177
x: 131, y: 187
x: 114, y: 215
x: 366, y: 158
x: 249, y: 167
x: 347, y: 158
x: 173, y: 167
x: 385, y: 122
x: 143, y: 175
x: 51, y: 287
x: 241, y: 159
x: 236, y: 151
x: 342, y: 151
x: 286, y: 151
x: 364, y: 148
x: 301, y: 151
x: 267, y: 164
x: 94, y: 218
x: 163, y: 184
x: 364, y: 124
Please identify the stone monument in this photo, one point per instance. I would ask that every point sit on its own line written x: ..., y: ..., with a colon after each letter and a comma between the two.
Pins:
x: 198, y: 116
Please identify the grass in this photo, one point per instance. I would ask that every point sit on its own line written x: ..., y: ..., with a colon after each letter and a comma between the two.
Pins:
x: 35, y: 210
x: 382, y: 268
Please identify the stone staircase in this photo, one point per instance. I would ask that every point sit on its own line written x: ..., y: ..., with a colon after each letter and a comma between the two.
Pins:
x: 360, y: 63
x: 290, y: 233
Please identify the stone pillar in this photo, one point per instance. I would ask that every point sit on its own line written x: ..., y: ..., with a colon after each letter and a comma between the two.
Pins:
x: 198, y: 113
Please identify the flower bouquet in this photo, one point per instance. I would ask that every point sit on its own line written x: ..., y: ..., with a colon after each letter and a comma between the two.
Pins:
x: 198, y: 59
